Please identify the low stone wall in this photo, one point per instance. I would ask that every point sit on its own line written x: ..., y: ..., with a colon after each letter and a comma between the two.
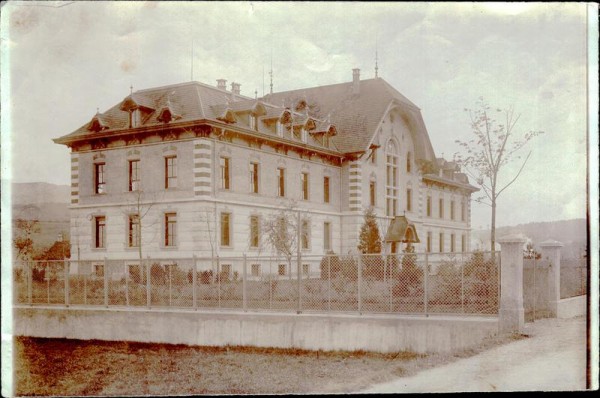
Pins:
x: 377, y: 333
x: 572, y: 307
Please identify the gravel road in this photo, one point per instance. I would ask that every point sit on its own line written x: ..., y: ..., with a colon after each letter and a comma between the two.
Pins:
x: 552, y: 358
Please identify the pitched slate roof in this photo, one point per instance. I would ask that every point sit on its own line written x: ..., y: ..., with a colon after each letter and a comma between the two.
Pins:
x: 356, y: 117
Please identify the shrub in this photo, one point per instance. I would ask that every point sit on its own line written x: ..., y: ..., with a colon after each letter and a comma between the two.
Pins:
x: 410, y: 277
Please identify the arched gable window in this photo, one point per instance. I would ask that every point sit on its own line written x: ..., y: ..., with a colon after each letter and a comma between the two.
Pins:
x: 391, y: 182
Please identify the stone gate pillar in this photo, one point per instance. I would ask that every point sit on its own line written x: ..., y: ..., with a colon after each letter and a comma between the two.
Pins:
x: 551, y: 254
x: 511, y: 317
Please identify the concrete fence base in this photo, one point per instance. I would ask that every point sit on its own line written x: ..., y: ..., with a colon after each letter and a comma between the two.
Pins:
x: 572, y: 307
x: 376, y: 333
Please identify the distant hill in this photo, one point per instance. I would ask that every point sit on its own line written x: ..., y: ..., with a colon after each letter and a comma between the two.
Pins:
x: 47, y: 203
x: 572, y: 233
x: 41, y: 201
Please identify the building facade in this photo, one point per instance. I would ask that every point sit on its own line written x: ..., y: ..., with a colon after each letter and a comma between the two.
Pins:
x: 195, y: 170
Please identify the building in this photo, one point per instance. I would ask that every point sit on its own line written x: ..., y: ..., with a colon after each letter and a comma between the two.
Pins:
x: 193, y: 169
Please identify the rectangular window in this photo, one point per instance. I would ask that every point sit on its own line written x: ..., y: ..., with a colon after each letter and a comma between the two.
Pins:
x: 463, y: 243
x: 305, y: 235
x: 374, y: 156
x: 253, y: 124
x: 170, y: 229
x: 255, y: 270
x: 254, y: 177
x: 409, y: 199
x: 441, y: 242
x: 305, y: 269
x: 304, y: 179
x: 327, y: 236
x: 225, y: 173
x: 225, y: 229
x: 408, y: 163
x: 170, y: 172
x: 441, y: 208
x: 462, y: 211
x: 452, y: 210
x: 452, y: 243
x: 100, y: 232
x: 279, y: 129
x: 326, y: 189
x: 99, y: 270
x: 281, y: 269
x: 100, y: 178
x: 429, y: 239
x: 254, y: 231
x: 134, y: 231
x: 134, y: 175
x: 281, y: 181
x: 372, y: 190
x: 429, y: 206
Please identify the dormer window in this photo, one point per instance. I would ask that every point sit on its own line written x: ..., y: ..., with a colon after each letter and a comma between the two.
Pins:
x: 279, y: 129
x: 303, y: 135
x: 252, y: 122
x: 135, y: 118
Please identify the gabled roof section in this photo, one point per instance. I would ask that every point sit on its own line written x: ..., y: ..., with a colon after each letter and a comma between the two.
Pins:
x: 355, y: 116
x: 136, y: 101
x: 168, y: 113
x: 401, y: 230
x: 98, y: 123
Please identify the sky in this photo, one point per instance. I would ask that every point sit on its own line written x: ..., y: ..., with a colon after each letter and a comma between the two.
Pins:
x: 61, y: 61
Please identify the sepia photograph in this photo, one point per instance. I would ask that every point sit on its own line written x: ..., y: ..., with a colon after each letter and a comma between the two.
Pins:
x: 242, y: 198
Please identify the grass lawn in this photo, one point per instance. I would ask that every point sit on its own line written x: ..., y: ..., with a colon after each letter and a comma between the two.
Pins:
x: 77, y: 367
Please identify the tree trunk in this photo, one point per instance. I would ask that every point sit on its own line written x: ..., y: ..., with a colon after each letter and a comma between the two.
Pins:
x: 493, y: 228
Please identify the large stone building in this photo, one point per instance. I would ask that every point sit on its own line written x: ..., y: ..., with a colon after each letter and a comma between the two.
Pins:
x: 201, y: 167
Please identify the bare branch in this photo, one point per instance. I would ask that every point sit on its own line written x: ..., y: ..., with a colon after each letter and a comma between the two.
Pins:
x: 517, y: 176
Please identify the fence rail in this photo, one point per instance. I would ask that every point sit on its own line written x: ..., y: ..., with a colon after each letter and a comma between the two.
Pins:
x: 411, y: 283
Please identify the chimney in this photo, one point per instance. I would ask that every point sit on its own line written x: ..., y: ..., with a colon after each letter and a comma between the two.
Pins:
x: 356, y: 81
x: 235, y: 88
x: 222, y: 84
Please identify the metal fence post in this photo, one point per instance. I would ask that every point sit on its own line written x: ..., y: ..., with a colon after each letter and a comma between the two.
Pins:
x: 462, y: 285
x: 425, y: 284
x: 148, y: 283
x: 359, y: 264
x: 170, y: 284
x: 388, y: 278
x: 29, y: 282
x: 299, y: 270
x: 219, y: 281
x: 126, y: 270
x: 66, y: 266
x: 105, y: 269
x: 244, y: 277
x: 194, y: 283
x: 329, y: 283
x: 47, y: 276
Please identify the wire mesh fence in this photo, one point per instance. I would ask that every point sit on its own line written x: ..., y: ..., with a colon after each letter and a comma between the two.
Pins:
x: 412, y: 283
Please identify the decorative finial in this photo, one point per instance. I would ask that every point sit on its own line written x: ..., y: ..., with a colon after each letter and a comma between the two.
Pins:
x: 131, y: 89
x: 271, y: 72
x: 376, y: 58
x: 97, y: 111
x: 255, y: 93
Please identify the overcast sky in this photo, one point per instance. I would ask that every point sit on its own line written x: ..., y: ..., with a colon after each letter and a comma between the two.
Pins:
x: 62, y: 60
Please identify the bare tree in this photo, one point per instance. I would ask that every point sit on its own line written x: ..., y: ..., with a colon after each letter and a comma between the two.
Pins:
x: 26, y: 225
x: 23, y: 241
x: 283, y: 232
x: 494, y: 145
x: 139, y: 205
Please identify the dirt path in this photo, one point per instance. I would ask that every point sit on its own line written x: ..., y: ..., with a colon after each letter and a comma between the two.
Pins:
x: 553, y: 358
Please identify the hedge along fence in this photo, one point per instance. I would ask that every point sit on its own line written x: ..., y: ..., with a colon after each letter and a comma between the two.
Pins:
x: 401, y: 283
